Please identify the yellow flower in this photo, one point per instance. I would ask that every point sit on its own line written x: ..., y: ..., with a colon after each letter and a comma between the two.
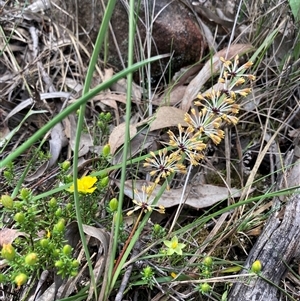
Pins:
x: 256, y: 267
x: 85, y: 185
x: 174, y: 246
x: 8, y: 252
x: 173, y: 275
x: 20, y: 279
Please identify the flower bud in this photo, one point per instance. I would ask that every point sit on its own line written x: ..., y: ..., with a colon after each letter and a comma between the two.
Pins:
x: 7, y: 201
x: 44, y: 243
x: 107, y: 116
x: 19, y: 217
x: 7, y: 174
x: 25, y: 193
x: 206, y: 273
x: 104, y: 182
x: 204, y: 288
x: 147, y: 272
x: 74, y: 273
x: 31, y: 259
x: 67, y: 249
x: 106, y: 150
x: 158, y: 229
x: 207, y: 261
x: 118, y: 217
x: 56, y: 253
x: 20, y: 279
x: 100, y: 124
x: 75, y: 263
x: 69, y: 206
x: 58, y: 212
x: 68, y: 179
x: 59, y: 226
x: 8, y: 252
x: 113, y: 205
x: 66, y: 165
x: 256, y: 267
x: 59, y: 264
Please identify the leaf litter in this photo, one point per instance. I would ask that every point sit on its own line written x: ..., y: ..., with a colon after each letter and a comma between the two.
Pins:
x: 144, y: 134
x: 196, y: 195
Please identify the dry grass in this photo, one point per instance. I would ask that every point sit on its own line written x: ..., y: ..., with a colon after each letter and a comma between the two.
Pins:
x: 58, y: 62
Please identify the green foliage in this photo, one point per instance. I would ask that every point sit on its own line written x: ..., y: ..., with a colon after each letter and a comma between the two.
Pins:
x: 295, y: 7
x: 44, y: 230
x: 44, y: 223
x: 148, y: 276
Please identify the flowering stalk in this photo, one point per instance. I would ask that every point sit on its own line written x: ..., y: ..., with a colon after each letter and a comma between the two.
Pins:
x: 144, y: 203
x: 127, y: 242
x: 211, y: 111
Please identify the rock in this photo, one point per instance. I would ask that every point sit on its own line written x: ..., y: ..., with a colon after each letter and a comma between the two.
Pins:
x: 175, y: 30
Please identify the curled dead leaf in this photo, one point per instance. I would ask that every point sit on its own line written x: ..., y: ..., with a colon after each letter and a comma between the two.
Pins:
x: 166, y: 117
x: 117, y: 136
x: 7, y: 235
x: 196, y: 196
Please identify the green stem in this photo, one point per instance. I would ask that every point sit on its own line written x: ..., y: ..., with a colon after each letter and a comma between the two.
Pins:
x: 100, y: 38
x: 127, y: 242
x: 131, y: 34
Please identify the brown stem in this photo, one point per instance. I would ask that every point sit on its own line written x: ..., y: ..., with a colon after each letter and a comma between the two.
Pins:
x: 127, y: 242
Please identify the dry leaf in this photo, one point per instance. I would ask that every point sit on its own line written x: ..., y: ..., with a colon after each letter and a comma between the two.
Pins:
x: 117, y: 136
x: 166, y: 117
x: 170, y: 98
x: 7, y: 236
x: 294, y: 133
x: 85, y: 139
x: 4, y: 132
x: 121, y: 87
x: 73, y: 84
x: 29, y: 101
x: 197, y: 196
x: 108, y: 74
x: 103, y: 240
x: 109, y: 99
x: 57, y: 142
x: 211, y: 67
x: 99, y: 234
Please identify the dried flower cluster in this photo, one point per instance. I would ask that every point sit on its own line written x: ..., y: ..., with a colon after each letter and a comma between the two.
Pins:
x: 212, y: 111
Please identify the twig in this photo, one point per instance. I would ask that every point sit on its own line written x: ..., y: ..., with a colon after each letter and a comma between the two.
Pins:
x: 127, y: 275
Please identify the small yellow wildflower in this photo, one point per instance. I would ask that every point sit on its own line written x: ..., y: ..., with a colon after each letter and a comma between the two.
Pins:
x: 173, y: 275
x: 20, y: 279
x: 8, y: 252
x: 85, y: 185
x: 174, y: 246
x: 256, y: 267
